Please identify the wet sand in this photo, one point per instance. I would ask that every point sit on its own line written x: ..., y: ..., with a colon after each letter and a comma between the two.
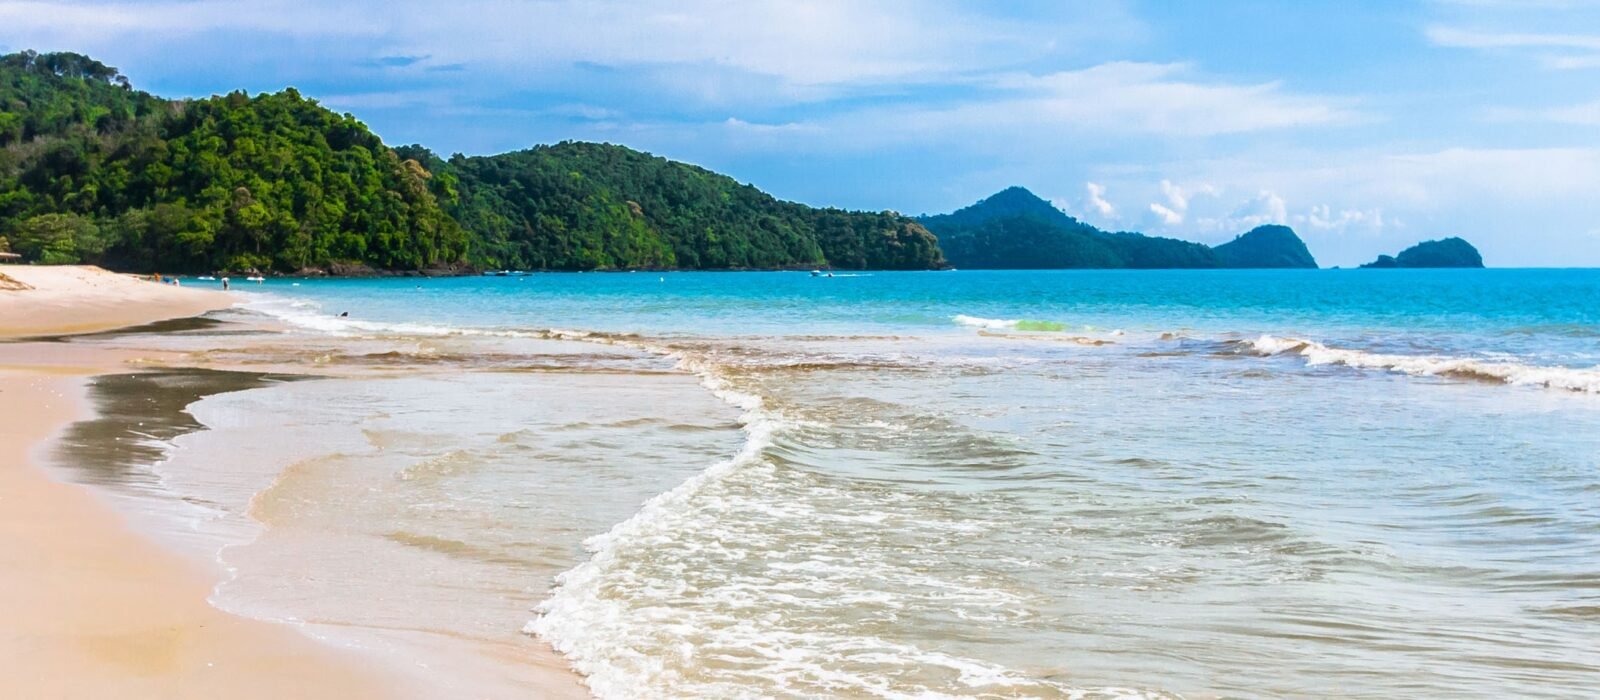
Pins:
x: 92, y: 609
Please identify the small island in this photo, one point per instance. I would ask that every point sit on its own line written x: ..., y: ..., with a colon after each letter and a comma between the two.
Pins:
x: 1447, y: 252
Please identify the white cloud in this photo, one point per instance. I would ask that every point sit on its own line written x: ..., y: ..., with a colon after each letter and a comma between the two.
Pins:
x: 1470, y: 39
x: 1585, y: 114
x: 1173, y: 211
x: 1169, y: 217
x: 1175, y: 195
x: 1323, y: 217
x: 1158, y: 98
x: 1265, y: 208
x: 1562, y: 51
x: 1521, y: 206
x: 833, y: 43
x: 1018, y: 114
x: 1097, y: 200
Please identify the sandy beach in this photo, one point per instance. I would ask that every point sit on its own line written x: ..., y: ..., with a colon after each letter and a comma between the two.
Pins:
x: 64, y: 299
x: 92, y: 609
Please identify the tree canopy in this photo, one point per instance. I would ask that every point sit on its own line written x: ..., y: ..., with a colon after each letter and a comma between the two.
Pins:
x: 93, y: 170
x: 600, y: 206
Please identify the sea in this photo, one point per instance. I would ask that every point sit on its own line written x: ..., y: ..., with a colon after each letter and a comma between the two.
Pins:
x: 953, y: 484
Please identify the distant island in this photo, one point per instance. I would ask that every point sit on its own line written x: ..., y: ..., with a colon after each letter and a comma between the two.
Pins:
x: 1016, y: 229
x: 1447, y: 252
x: 92, y: 170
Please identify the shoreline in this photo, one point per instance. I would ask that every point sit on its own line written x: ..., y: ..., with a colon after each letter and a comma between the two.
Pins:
x: 73, y: 299
x: 95, y: 607
x: 96, y: 610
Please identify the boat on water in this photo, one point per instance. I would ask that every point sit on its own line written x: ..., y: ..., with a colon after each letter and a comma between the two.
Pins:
x: 256, y: 278
x: 206, y: 278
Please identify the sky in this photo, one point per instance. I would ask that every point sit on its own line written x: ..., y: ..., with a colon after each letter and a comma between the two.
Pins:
x: 1365, y: 125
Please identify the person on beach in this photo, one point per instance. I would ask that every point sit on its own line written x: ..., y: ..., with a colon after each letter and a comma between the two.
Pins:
x: 224, y: 284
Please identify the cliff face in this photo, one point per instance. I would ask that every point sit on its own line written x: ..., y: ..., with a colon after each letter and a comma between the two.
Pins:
x: 1448, y: 252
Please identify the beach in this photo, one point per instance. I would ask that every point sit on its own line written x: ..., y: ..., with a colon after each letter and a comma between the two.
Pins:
x: 92, y: 607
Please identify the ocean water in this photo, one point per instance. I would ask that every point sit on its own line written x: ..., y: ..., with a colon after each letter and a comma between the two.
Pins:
x: 938, y: 484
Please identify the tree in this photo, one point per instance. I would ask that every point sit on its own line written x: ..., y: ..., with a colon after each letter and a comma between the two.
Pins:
x: 57, y: 239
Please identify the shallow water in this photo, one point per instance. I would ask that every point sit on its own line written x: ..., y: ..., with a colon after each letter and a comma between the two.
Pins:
x: 1257, y: 484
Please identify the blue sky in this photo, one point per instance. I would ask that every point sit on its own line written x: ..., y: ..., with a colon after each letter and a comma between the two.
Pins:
x: 1366, y: 126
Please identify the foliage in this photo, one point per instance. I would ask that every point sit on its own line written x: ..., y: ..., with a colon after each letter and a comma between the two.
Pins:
x: 225, y: 183
x: 601, y: 206
x: 56, y: 239
x: 93, y: 170
x: 1025, y: 242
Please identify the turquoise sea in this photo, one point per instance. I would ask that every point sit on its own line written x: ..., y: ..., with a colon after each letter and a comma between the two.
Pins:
x: 1352, y: 483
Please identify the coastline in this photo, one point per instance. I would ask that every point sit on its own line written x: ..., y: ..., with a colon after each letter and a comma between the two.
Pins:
x: 93, y: 607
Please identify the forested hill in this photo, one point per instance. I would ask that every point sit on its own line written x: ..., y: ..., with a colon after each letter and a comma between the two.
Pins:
x: 1015, y: 229
x: 588, y: 205
x: 92, y: 170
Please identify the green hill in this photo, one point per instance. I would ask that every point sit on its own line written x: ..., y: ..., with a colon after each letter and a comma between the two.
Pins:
x: 1015, y: 229
x: 1447, y: 252
x: 588, y: 206
x: 1266, y: 246
x: 92, y: 170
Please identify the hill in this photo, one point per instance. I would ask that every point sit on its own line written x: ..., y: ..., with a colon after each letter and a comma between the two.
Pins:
x: 1266, y: 246
x: 1015, y: 229
x: 587, y: 206
x: 92, y: 170
x: 1447, y: 252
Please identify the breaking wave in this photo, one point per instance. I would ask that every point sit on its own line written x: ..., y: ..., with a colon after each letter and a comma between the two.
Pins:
x: 1564, y: 378
x: 1022, y: 324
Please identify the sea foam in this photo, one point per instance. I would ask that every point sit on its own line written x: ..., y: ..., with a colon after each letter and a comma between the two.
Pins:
x: 1020, y: 324
x: 1507, y: 372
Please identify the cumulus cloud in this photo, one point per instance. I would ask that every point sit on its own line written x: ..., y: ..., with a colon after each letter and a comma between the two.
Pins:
x: 1323, y: 217
x: 1097, y: 201
x: 1173, y: 211
x: 1168, y: 217
x: 1265, y: 208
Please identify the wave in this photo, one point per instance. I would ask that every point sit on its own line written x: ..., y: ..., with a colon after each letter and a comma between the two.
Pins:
x: 628, y: 651
x: 1505, y: 372
x: 1017, y: 324
x: 590, y: 628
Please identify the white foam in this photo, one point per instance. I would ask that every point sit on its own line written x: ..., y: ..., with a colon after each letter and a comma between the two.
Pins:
x: 980, y: 322
x: 1505, y: 371
x: 617, y: 619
